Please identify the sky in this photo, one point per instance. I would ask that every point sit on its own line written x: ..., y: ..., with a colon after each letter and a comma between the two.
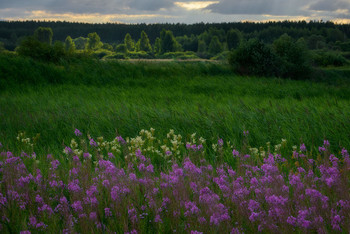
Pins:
x: 175, y: 11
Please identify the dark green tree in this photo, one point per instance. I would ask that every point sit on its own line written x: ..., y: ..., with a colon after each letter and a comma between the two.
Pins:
x: 254, y: 58
x: 233, y: 38
x: 121, y: 48
x: 168, y: 42
x: 80, y: 43
x: 69, y: 45
x: 44, y: 35
x: 215, y: 46
x: 157, y: 46
x: 292, y: 57
x: 144, y: 44
x: 94, y: 41
x: 128, y: 41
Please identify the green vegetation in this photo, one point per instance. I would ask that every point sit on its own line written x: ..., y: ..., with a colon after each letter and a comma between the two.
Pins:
x: 105, y: 97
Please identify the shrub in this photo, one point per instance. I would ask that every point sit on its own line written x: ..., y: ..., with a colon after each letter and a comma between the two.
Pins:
x: 31, y: 47
x: 328, y: 58
x: 179, y: 55
x: 253, y: 58
x: 101, y: 53
x: 292, y: 57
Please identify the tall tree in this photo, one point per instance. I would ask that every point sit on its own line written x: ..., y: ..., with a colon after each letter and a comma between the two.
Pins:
x: 128, y: 41
x: 202, y: 47
x: 215, y: 46
x: 94, y: 41
x: 44, y: 35
x: 168, y: 42
x: 144, y: 43
x: 233, y: 38
x: 80, y: 43
x: 157, y: 46
x: 69, y: 45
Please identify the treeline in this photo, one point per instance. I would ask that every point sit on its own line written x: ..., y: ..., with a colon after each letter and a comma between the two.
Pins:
x: 283, y: 49
x: 327, y: 32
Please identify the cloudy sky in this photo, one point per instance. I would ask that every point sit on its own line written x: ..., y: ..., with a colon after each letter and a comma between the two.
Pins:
x: 174, y: 11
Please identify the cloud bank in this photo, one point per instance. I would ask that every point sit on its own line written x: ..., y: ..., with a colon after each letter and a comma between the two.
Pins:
x: 184, y: 11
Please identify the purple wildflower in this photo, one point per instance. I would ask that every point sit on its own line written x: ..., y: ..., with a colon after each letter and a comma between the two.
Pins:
x: 302, y: 147
x: 93, y: 142
x: 235, y: 153
x: 77, y: 132
x: 220, y: 142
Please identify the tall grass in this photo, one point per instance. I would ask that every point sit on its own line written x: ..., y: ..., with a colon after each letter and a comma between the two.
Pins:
x: 103, y: 98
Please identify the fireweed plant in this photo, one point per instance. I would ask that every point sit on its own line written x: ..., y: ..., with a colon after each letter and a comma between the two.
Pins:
x: 148, y: 185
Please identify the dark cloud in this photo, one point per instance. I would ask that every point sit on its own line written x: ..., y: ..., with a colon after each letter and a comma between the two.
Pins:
x: 330, y: 5
x: 257, y: 7
x: 34, y: 4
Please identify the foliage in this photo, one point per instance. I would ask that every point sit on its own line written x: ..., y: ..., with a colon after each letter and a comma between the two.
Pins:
x: 293, y: 58
x: 94, y: 41
x: 178, y: 55
x: 103, y: 97
x: 35, y: 49
x: 328, y: 58
x: 128, y: 41
x: 140, y: 55
x: 44, y: 35
x: 157, y: 46
x: 149, y: 184
x: 69, y: 45
x: 143, y: 43
x: 254, y: 58
x: 234, y: 38
x: 115, y: 56
x: 121, y: 48
x: 215, y: 46
x: 101, y: 53
x: 168, y: 42
x: 80, y: 43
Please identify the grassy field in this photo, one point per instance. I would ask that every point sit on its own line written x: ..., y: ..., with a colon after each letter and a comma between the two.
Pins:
x: 103, y: 99
x: 160, y: 180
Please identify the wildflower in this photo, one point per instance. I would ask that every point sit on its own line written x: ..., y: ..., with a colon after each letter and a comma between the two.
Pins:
x: 235, y: 153
x: 221, y: 142
x: 93, y: 142
x: 93, y: 216
x: 326, y: 143
x: 157, y: 219
x: 77, y: 132
x: 245, y: 133
x: 302, y: 147
x: 108, y: 212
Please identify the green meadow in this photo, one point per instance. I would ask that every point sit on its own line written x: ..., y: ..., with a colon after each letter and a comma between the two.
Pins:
x: 110, y: 98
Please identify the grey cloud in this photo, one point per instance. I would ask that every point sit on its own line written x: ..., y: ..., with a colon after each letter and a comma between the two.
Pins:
x: 34, y: 4
x: 330, y: 5
x: 89, y: 6
x: 257, y: 7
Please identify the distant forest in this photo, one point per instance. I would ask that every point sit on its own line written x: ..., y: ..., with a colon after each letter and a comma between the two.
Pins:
x: 282, y: 49
x: 315, y: 33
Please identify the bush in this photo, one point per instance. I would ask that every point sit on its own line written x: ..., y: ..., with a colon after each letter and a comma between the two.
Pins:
x: 31, y: 47
x: 222, y: 56
x: 115, y: 56
x: 328, y: 58
x: 101, y: 53
x: 292, y: 57
x: 179, y: 55
x: 140, y: 55
x: 254, y: 58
